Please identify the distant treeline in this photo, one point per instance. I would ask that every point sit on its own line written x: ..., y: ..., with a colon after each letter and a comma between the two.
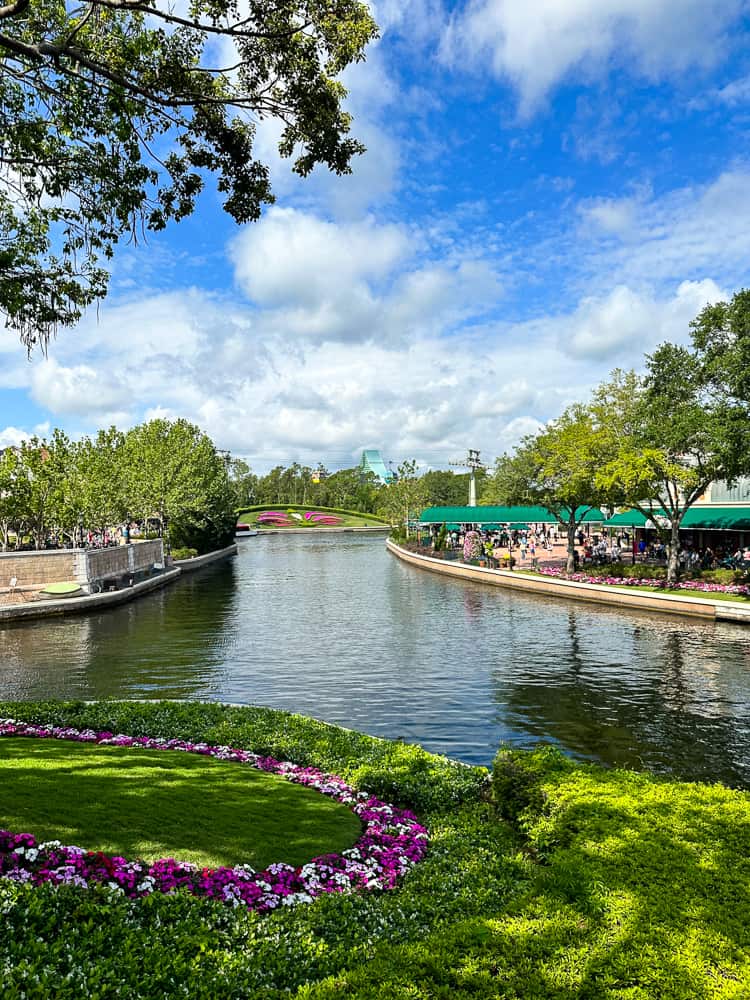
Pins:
x: 347, y: 488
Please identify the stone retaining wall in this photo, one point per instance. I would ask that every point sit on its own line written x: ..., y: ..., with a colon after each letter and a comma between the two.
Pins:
x: 37, y: 569
x: 40, y: 567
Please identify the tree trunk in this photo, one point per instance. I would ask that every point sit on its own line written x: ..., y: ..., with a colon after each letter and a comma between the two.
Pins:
x: 673, y: 553
x: 571, y: 564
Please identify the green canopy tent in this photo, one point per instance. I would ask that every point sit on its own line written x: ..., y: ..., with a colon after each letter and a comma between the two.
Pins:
x: 490, y: 515
x: 700, y: 517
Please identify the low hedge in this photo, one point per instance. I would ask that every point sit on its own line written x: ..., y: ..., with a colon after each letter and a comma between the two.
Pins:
x: 576, y: 882
x: 184, y: 553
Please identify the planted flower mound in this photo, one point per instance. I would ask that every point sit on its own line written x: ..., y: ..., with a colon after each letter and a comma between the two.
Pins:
x: 392, y: 841
x: 292, y: 519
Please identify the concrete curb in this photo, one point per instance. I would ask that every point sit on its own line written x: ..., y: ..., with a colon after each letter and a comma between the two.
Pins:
x: 198, y: 562
x: 93, y: 602
x: 695, y: 607
x: 89, y: 602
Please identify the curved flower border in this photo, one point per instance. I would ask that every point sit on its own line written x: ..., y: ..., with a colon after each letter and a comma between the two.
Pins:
x: 626, y: 581
x: 392, y: 842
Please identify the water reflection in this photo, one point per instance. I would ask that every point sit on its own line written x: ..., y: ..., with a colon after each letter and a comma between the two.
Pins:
x: 336, y: 628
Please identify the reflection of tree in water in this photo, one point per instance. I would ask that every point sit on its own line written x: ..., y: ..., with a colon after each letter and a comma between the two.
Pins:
x: 641, y: 713
x: 675, y: 691
x: 576, y: 661
x: 472, y: 604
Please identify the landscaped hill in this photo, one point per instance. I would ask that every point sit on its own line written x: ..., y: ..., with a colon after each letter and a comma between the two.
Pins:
x: 292, y: 516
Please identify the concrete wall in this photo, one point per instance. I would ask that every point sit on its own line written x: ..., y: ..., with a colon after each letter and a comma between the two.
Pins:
x: 40, y: 567
x: 594, y: 593
x: 197, y: 562
x: 82, y: 565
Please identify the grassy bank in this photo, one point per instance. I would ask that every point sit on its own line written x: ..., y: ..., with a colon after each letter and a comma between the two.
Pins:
x: 294, y: 517
x: 574, y: 882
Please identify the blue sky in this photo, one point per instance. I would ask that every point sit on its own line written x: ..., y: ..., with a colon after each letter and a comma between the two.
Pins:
x: 551, y: 188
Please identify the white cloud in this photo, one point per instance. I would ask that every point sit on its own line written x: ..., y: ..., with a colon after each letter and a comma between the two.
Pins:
x: 735, y: 93
x: 626, y: 323
x: 80, y: 389
x: 540, y: 43
x: 689, y: 233
x: 293, y: 258
x: 13, y: 436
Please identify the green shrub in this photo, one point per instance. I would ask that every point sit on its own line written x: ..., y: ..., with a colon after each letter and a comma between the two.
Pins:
x: 184, y: 553
x: 724, y: 576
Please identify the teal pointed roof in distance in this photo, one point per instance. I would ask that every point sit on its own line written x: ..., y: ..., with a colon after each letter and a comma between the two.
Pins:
x: 498, y: 515
x: 372, y: 461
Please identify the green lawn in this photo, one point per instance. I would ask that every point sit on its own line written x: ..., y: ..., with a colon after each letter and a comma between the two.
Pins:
x: 153, y: 804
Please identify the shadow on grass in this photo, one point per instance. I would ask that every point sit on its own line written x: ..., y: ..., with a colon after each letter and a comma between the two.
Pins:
x: 151, y: 804
x: 642, y: 893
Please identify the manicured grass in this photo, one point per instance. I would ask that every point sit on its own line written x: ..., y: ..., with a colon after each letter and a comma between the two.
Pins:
x: 152, y: 804
x: 574, y: 883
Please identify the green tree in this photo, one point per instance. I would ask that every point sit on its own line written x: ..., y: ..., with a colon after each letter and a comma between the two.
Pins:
x: 47, y: 468
x: 670, y: 434
x: 721, y: 338
x: 405, y: 498
x: 101, y: 477
x: 244, y: 483
x: 113, y: 111
x: 177, y: 475
x: 14, y: 495
x: 557, y: 469
x: 449, y: 489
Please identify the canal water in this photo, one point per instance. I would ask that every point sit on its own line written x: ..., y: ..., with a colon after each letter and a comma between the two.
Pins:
x: 335, y: 627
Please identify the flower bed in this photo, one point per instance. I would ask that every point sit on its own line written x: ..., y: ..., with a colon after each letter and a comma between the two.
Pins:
x: 742, y: 590
x: 392, y: 842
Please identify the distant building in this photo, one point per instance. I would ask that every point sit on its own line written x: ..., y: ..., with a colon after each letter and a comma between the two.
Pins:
x: 372, y: 461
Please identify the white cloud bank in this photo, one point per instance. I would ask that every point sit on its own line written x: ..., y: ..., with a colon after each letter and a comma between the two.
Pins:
x: 537, y: 44
x: 355, y: 333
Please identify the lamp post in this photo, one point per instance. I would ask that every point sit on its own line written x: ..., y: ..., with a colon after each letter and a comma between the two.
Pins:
x: 80, y: 529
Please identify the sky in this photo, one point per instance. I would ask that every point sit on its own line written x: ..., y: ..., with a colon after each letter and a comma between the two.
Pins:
x: 551, y: 188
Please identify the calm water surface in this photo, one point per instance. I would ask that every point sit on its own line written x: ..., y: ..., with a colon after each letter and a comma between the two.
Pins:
x: 336, y: 628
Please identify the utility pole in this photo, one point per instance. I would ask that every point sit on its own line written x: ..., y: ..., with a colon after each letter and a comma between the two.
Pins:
x: 472, y: 463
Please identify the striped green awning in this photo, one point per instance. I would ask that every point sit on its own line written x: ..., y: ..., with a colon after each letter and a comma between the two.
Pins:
x: 498, y: 515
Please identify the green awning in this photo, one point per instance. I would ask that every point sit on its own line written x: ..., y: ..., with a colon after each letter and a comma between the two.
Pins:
x: 701, y: 517
x: 626, y: 519
x: 498, y: 515
x: 718, y: 518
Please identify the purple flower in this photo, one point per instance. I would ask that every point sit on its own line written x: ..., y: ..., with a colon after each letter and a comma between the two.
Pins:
x: 392, y: 842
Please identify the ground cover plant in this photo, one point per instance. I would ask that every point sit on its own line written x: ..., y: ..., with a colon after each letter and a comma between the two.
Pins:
x: 558, y: 880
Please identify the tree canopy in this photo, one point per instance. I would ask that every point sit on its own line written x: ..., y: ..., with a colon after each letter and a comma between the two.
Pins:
x: 555, y: 468
x: 113, y: 111
x: 669, y: 434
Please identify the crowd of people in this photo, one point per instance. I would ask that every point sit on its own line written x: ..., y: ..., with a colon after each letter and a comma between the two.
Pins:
x: 539, y: 542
